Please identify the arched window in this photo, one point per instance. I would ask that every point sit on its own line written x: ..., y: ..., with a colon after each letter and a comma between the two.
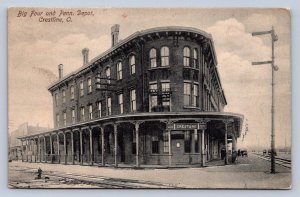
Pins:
x: 119, y: 70
x: 132, y: 64
x: 195, y: 58
x: 72, y: 92
x: 186, y: 56
x: 107, y: 73
x: 81, y: 88
x: 153, y: 60
x: 164, y: 53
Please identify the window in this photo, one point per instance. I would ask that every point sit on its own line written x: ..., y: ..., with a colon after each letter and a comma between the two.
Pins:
x: 164, y: 53
x: 133, y: 100
x: 73, y: 116
x: 64, y: 96
x: 187, y: 94
x: 195, y: 101
x: 56, y: 99
x: 165, y: 88
x: 119, y: 70
x: 166, y: 142
x: 155, y: 142
x: 89, y: 85
x: 90, y: 112
x: 187, y: 141
x: 98, y: 81
x: 99, y: 109
x: 65, y: 118
x: 72, y: 92
x: 81, y: 88
x: 132, y: 64
x: 82, y: 114
x: 152, y: 56
x: 153, y: 96
x: 108, y: 106
x: 107, y: 73
x: 120, y: 99
x: 195, y: 59
x: 186, y: 56
x: 57, y: 120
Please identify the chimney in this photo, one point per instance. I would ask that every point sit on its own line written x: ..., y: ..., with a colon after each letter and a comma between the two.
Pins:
x: 60, y: 70
x: 114, y: 34
x: 85, y: 53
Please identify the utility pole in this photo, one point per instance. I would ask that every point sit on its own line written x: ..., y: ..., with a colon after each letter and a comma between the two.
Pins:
x: 274, y: 38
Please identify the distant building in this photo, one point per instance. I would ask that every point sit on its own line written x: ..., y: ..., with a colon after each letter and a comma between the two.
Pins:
x: 15, y: 149
x: 154, y: 98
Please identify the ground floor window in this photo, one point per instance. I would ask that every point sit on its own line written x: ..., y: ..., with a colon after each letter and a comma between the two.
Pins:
x: 166, y: 142
x: 155, y: 142
x: 187, y: 141
x: 196, y: 141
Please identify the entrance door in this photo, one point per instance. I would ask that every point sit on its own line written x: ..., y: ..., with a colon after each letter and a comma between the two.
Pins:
x: 177, y: 143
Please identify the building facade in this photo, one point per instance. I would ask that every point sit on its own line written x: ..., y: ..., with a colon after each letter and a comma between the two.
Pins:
x: 154, y: 98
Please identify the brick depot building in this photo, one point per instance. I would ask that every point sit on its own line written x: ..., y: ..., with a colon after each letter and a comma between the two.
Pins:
x: 154, y: 98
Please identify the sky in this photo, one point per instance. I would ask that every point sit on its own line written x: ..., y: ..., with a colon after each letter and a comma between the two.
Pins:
x: 36, y: 48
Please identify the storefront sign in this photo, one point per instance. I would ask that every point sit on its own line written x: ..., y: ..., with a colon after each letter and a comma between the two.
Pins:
x: 183, y: 126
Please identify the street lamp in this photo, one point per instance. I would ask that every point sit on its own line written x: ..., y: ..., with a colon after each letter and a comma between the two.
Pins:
x: 274, y: 38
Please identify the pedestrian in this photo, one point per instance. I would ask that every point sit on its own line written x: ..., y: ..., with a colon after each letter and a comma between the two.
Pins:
x: 223, y: 153
x: 239, y: 153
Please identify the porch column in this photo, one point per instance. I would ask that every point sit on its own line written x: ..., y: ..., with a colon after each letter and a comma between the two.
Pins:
x: 170, y: 147
x: 91, y: 146
x: 45, y: 151
x: 51, y: 156
x: 65, y: 148
x: 137, y: 143
x: 58, y: 153
x: 26, y: 150
x: 36, y: 150
x: 102, y: 146
x: 203, y: 148
x: 22, y: 149
x: 116, y: 144
x: 72, y: 147
x: 40, y: 149
x: 30, y: 148
x: 226, y: 122
x: 81, y: 148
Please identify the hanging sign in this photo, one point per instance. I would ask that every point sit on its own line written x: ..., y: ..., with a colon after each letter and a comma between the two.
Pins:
x: 184, y: 126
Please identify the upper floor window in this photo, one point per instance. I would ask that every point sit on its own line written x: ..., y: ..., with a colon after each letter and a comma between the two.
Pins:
x: 56, y: 99
x: 72, y: 92
x: 98, y: 81
x: 153, y: 97
x: 165, y: 88
x: 81, y: 88
x: 195, y: 101
x: 120, y: 99
x: 89, y: 81
x: 65, y: 118
x: 107, y: 73
x: 164, y: 54
x: 119, y: 71
x: 73, y: 116
x: 99, y: 109
x: 187, y: 94
x: 152, y: 55
x: 132, y: 64
x: 195, y: 58
x: 64, y: 96
x: 133, y: 100
x: 90, y: 112
x: 109, y: 106
x: 57, y: 120
x: 82, y: 114
x: 186, y: 56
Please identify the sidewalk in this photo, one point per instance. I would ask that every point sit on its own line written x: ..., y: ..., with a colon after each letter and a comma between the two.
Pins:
x: 251, y: 172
